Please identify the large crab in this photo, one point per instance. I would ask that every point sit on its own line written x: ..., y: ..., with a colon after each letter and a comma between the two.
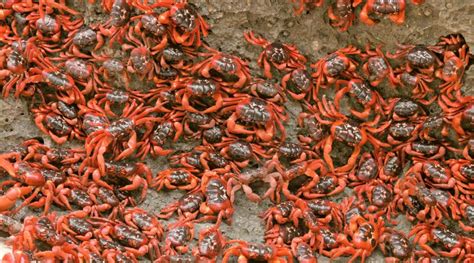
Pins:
x: 283, y: 57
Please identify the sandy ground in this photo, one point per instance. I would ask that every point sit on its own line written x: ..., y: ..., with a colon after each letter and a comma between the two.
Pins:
x: 274, y: 19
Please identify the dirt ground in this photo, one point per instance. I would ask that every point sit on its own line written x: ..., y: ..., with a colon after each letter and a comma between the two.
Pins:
x: 311, y: 34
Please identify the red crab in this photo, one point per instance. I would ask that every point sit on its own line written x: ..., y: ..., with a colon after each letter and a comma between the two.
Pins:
x: 302, y: 5
x: 325, y: 212
x: 396, y: 246
x: 245, y: 178
x: 282, y: 234
x: 379, y: 197
x: 404, y: 109
x: 82, y: 41
x: 211, y: 242
x: 463, y: 171
x: 175, y: 179
x: 452, y: 71
x: 377, y: 67
x: 156, y: 138
x: 467, y: 213
x: 395, y: 10
x: 327, y: 185
x: 418, y: 57
x: 364, y: 236
x: 370, y: 99
x: 333, y: 66
x: 283, y: 57
x: 186, y: 24
x: 341, y: 13
x: 141, y: 61
x: 78, y: 225
x: 110, y: 70
x: 179, y: 234
x: 120, y: 133
x: 144, y: 221
x: 117, y: 25
x: 187, y: 206
x: 135, y: 242
x: 307, y: 169
x: 248, y: 251
x: 433, y: 173
x: 389, y: 166
x: 298, y: 83
x: 417, y: 82
x: 197, y: 92
x: 267, y: 90
x: 417, y: 200
x: 63, y: 84
x: 352, y: 135
x: 254, y: 117
x: 281, y: 213
x: 107, y: 98
x: 135, y: 175
x: 149, y: 28
x: 43, y: 229
x: 302, y: 251
x: 58, y: 120
x: 230, y: 70
x: 218, y: 205
x: 39, y: 182
x: 365, y: 171
x: 452, y: 245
